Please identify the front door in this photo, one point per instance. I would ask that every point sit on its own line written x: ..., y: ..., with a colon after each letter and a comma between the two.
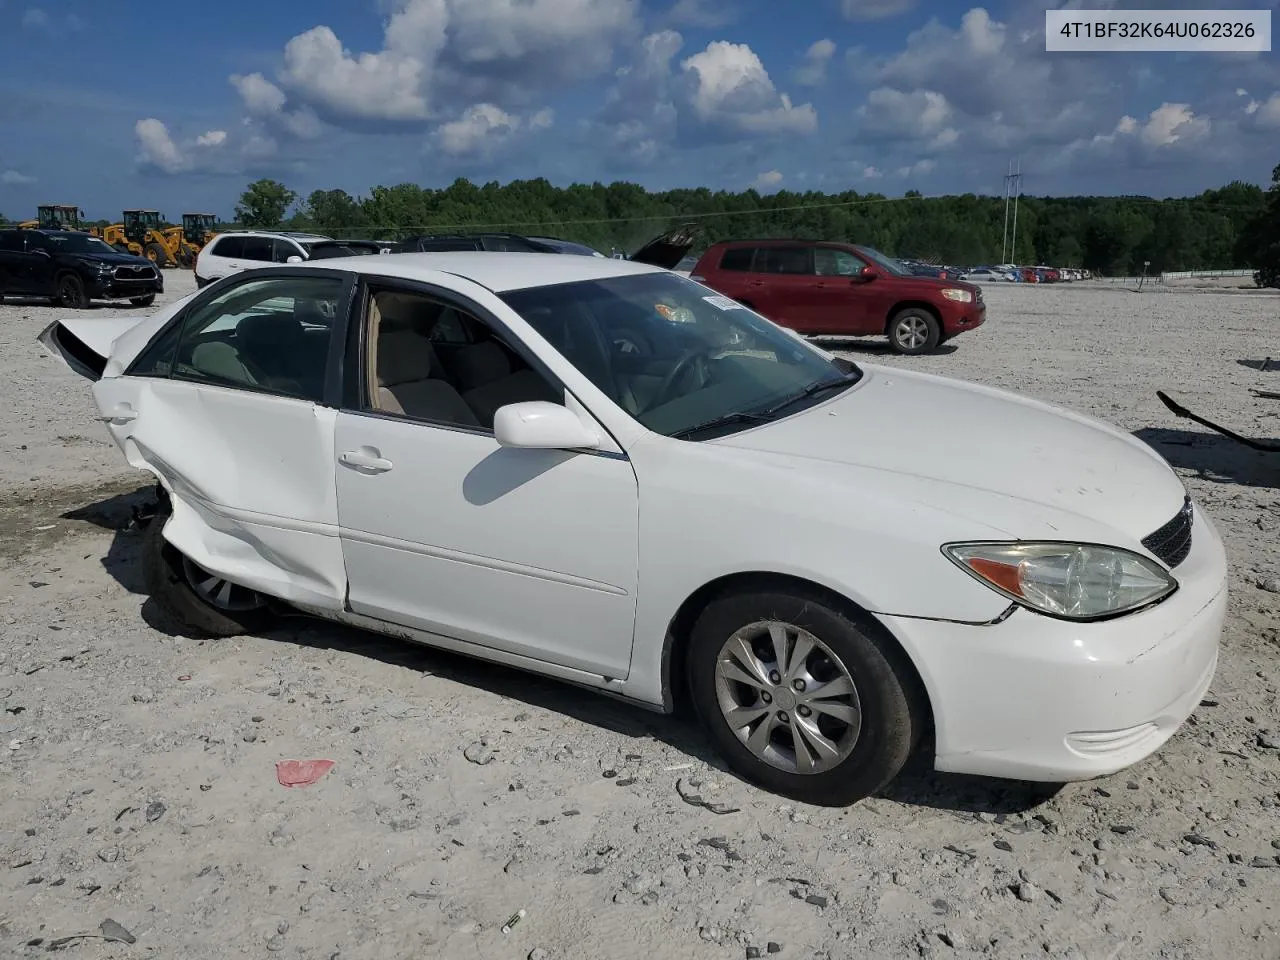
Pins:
x: 533, y: 552
x: 840, y: 304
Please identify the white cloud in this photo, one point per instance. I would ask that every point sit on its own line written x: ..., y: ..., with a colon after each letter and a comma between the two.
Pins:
x: 436, y: 52
x: 261, y: 97
x: 768, y: 180
x: 919, y: 168
x: 157, y: 148
x: 15, y: 178
x: 1173, y: 122
x: 874, y: 9
x: 732, y: 90
x: 871, y: 173
x: 1268, y: 114
x: 894, y: 115
x: 484, y: 127
x: 812, y: 71
x: 36, y: 19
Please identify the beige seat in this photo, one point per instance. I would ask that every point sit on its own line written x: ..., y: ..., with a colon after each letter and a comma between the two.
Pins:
x: 406, y: 386
x: 488, y: 383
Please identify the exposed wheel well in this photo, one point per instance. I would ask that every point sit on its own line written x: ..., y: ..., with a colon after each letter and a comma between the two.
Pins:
x: 676, y: 674
x: 897, y: 308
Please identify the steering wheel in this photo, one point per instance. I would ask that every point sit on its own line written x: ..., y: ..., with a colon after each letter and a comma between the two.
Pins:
x: 697, y: 357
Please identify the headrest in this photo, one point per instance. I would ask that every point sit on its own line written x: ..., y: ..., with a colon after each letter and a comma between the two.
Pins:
x: 269, y: 331
x: 406, y: 311
x: 404, y: 357
x: 480, y: 363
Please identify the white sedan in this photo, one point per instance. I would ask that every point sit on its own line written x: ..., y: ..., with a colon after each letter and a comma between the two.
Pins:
x: 607, y: 473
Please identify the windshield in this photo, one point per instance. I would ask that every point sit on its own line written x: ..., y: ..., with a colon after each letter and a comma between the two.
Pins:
x: 78, y: 243
x: 676, y: 355
x: 888, y: 264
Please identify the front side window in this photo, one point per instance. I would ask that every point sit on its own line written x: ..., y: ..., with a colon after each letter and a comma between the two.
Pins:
x: 682, y: 360
x: 414, y: 371
x: 282, y: 250
x: 268, y: 336
x: 79, y: 243
x: 888, y: 264
x: 831, y: 262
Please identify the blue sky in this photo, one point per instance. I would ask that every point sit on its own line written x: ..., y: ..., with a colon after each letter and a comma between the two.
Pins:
x: 114, y: 105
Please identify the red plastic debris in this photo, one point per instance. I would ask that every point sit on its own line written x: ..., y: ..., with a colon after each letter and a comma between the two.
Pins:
x: 301, y: 773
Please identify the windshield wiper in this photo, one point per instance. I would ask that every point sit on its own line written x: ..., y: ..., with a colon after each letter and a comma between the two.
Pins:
x: 812, y: 390
x: 738, y: 416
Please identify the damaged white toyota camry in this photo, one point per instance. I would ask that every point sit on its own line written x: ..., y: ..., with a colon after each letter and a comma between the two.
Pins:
x: 604, y: 472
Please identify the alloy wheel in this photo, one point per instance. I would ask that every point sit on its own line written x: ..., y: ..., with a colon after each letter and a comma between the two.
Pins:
x: 217, y: 591
x: 912, y: 332
x: 788, y: 698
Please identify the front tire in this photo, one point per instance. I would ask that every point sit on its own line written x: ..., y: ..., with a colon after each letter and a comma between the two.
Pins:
x: 156, y: 254
x: 146, y: 301
x: 801, y: 698
x: 71, y: 293
x: 202, y: 603
x: 914, y: 331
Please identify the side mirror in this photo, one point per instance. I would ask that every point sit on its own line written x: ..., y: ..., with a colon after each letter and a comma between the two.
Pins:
x: 866, y: 274
x: 538, y: 424
x: 294, y: 259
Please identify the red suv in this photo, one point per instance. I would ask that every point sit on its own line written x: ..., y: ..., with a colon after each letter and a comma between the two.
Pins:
x: 840, y: 289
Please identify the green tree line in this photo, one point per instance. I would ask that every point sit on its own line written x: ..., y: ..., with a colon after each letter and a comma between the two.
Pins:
x: 1110, y: 235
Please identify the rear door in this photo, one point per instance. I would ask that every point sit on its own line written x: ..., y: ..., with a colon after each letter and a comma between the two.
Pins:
x: 781, y: 285
x: 225, y: 258
x: 231, y: 405
x: 38, y: 270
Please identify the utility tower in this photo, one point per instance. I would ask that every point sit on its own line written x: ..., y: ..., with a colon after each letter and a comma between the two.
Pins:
x: 1012, y: 190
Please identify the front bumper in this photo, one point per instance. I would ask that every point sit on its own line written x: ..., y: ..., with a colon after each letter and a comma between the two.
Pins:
x: 966, y: 316
x: 1034, y: 698
x: 111, y: 288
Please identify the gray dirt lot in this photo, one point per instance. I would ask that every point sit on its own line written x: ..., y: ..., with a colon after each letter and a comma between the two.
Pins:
x: 137, y: 776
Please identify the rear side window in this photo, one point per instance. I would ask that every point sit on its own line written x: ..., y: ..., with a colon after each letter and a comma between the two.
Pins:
x: 737, y: 258
x: 789, y: 260
x: 258, y: 248
x: 442, y: 244
x: 232, y: 247
x: 267, y: 336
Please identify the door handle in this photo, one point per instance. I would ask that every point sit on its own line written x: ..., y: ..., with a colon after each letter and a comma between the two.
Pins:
x: 366, y: 459
x: 120, y: 413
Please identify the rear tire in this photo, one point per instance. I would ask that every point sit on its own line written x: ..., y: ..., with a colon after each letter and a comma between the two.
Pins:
x: 169, y: 579
x: 914, y: 331
x: 146, y: 301
x: 71, y: 293
x: 865, y: 734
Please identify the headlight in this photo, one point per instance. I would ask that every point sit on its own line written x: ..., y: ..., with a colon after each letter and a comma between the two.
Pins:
x: 1074, y: 581
x: 958, y: 295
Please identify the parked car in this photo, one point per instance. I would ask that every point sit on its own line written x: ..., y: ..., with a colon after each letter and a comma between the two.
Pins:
x: 458, y: 456
x: 665, y: 250
x: 330, y: 249
x: 73, y: 268
x: 232, y: 252
x: 820, y: 288
x: 986, y: 275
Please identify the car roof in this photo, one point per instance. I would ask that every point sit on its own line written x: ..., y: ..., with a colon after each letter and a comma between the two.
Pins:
x: 783, y: 242
x: 273, y: 233
x: 499, y: 272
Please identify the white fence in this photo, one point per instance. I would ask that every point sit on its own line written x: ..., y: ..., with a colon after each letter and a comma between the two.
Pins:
x: 1159, y: 278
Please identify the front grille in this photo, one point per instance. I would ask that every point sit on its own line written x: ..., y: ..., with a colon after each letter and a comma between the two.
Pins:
x: 136, y: 273
x: 1172, y: 542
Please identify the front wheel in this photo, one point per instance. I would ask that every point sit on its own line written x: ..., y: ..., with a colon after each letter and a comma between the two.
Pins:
x: 146, y: 301
x: 802, y: 699
x: 71, y: 293
x: 914, y: 331
x: 203, y: 603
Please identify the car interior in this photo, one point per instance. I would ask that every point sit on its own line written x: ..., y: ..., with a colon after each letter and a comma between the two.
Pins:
x: 430, y: 361
x: 273, y: 337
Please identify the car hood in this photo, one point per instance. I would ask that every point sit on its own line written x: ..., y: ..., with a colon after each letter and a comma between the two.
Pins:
x: 937, y: 283
x: 1046, y: 464
x: 667, y: 250
x: 115, y: 259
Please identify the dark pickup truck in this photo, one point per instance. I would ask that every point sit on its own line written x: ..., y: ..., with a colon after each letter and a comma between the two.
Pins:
x: 73, y: 268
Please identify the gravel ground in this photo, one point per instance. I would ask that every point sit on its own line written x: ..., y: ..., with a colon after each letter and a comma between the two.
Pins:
x: 138, y: 781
